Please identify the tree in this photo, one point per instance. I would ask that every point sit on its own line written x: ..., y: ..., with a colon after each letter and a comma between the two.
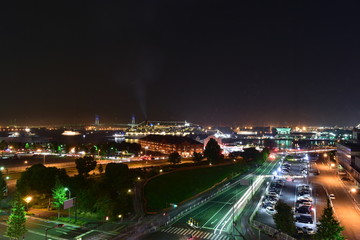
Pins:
x: 101, y: 169
x: 265, y: 154
x: 197, y: 157
x: 84, y: 165
x: 284, y: 218
x: 213, y: 151
x: 59, y: 195
x: 251, y: 154
x: 3, y: 186
x: 16, y: 222
x: 117, y: 175
x: 39, y: 179
x: 329, y: 228
x: 174, y: 158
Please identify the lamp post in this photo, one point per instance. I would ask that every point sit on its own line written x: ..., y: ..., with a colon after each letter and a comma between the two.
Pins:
x: 146, y: 148
x: 67, y: 189
x: 27, y: 200
x: 56, y: 226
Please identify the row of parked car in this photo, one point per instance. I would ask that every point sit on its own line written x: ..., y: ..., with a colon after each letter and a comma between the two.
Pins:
x: 285, y: 168
x: 304, y: 209
x: 272, y: 196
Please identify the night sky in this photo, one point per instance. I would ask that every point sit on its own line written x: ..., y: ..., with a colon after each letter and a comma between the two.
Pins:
x: 208, y: 62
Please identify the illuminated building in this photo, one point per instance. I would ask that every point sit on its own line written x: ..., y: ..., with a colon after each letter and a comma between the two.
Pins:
x: 348, y: 155
x: 168, y: 144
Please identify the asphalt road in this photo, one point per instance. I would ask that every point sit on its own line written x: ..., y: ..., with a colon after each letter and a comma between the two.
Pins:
x: 211, y: 215
x: 345, y: 209
x: 36, y: 231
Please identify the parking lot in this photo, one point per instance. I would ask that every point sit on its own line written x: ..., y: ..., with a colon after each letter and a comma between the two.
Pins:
x: 292, y: 185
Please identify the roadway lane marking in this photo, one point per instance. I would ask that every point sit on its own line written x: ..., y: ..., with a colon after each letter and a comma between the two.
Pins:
x: 184, y: 231
x: 216, y: 237
x: 222, y: 202
x: 177, y: 230
x: 207, y: 235
x: 169, y: 229
x: 192, y: 231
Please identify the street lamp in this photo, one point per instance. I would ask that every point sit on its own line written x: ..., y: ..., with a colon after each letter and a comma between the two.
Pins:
x: 56, y: 226
x: 27, y: 200
x: 353, y: 190
x: 146, y: 148
x: 67, y: 189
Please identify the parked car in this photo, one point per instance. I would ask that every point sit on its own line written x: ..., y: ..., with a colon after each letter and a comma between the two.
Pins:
x: 306, y: 204
x: 304, y: 219
x: 274, y: 194
x: 270, y: 210
x: 309, y: 230
x: 304, y: 210
x: 306, y: 199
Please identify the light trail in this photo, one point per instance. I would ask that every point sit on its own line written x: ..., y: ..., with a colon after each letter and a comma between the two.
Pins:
x: 238, y: 205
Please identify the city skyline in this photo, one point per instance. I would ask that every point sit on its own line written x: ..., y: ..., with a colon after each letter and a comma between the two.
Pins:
x: 214, y: 63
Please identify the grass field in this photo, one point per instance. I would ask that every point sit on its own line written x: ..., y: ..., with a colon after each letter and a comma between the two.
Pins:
x: 181, y: 185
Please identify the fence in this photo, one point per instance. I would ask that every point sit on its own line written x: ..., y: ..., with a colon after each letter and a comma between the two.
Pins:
x: 271, y: 231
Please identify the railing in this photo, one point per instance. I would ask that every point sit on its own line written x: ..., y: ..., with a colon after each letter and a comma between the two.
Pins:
x: 271, y: 231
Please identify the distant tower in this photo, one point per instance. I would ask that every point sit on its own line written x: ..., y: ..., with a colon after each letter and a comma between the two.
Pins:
x: 133, y: 122
x: 97, y: 120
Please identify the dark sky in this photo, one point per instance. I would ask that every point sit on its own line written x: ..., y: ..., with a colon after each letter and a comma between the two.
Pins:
x: 209, y: 62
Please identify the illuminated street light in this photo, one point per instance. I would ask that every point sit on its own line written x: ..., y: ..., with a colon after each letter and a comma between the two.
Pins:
x: 139, y: 178
x: 67, y: 189
x: 353, y: 190
x: 2, y: 168
x: 161, y: 171
x: 325, y: 155
x: 27, y: 200
x: 129, y: 190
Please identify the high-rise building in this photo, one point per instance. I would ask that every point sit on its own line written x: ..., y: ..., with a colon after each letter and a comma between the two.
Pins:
x: 97, y: 119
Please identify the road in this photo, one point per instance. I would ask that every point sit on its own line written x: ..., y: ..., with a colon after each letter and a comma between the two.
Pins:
x: 36, y: 231
x: 345, y: 209
x: 212, y: 219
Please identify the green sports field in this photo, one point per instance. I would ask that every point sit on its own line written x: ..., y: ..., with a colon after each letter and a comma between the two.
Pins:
x: 180, y: 185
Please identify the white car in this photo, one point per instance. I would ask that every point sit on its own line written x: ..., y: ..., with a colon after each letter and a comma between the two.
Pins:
x: 332, y: 196
x: 308, y: 204
x: 309, y: 230
x: 270, y: 210
x: 305, y: 199
x: 273, y: 194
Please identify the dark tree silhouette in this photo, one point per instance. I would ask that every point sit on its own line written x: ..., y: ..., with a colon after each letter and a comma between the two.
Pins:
x: 174, y: 158
x: 84, y: 165
x: 213, y: 151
